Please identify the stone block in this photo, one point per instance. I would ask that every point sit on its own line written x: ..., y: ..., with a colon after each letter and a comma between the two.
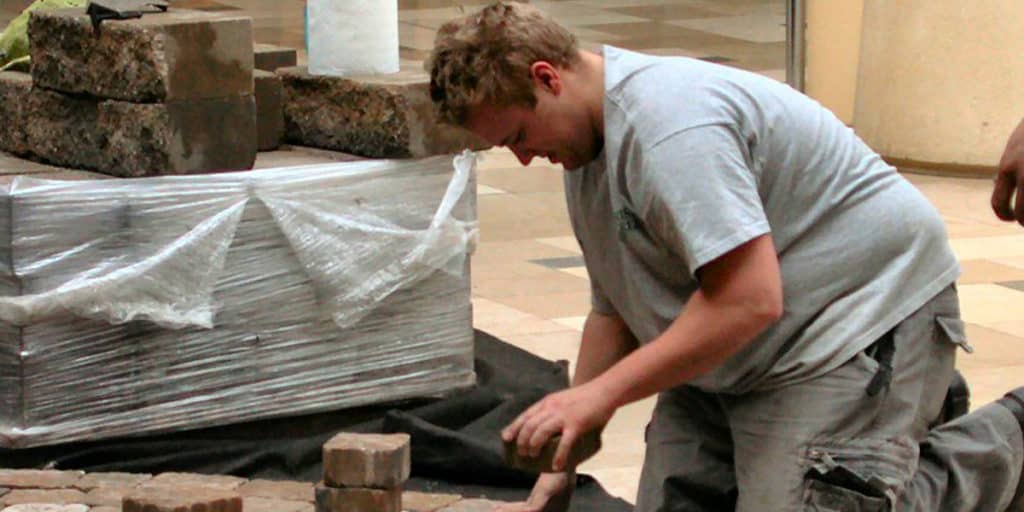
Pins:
x: 14, y: 90
x: 278, y: 490
x: 93, y: 480
x: 219, y: 482
x: 378, y: 116
x: 38, y: 479
x: 270, y: 57
x: 272, y: 505
x: 52, y: 507
x: 585, y: 448
x: 473, y: 506
x: 181, y: 499
x: 269, y: 110
x: 333, y: 499
x: 177, y: 55
x: 136, y: 139
x: 55, y: 496
x: 423, y: 502
x: 379, y: 461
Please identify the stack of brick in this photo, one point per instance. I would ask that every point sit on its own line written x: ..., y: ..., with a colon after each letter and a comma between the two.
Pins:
x: 169, y: 93
x: 364, y: 473
x: 269, y: 91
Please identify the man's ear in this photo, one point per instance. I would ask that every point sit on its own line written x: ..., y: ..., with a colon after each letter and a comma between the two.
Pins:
x: 546, y: 77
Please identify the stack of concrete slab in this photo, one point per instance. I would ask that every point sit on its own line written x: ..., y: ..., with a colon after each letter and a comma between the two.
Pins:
x: 169, y: 93
x: 156, y: 304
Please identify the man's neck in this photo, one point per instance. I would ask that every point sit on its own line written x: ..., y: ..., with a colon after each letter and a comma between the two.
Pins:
x: 591, y: 83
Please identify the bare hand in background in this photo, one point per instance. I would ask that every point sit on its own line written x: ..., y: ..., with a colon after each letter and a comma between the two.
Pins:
x: 1010, y: 180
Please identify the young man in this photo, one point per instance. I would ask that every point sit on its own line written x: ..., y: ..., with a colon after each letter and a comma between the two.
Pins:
x: 1010, y: 179
x: 789, y: 296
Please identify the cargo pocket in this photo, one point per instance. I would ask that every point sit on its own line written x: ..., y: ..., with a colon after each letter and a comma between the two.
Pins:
x: 853, y: 478
x: 952, y: 330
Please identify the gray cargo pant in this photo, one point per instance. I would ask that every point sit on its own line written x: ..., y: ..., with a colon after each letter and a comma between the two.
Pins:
x: 827, y: 445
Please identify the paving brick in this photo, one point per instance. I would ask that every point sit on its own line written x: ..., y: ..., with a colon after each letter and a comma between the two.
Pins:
x: 55, y: 496
x: 50, y: 507
x: 134, y: 139
x: 105, y: 509
x: 180, y: 54
x: 269, y: 110
x: 378, y: 116
x: 366, y: 460
x: 272, y: 505
x: 354, y: 499
x: 92, y: 480
x: 473, y: 506
x: 221, y: 482
x: 14, y: 89
x: 585, y: 447
x: 270, y: 57
x: 423, y: 502
x: 38, y: 479
x: 4, y: 490
x: 181, y: 499
x: 278, y: 490
x: 110, y: 496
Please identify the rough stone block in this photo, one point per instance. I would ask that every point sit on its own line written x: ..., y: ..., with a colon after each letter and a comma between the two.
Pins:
x: 585, y: 447
x: 219, y: 482
x: 135, y: 139
x: 180, y: 54
x: 14, y: 90
x: 333, y: 499
x: 473, y: 506
x: 181, y: 499
x: 93, y: 480
x: 272, y: 505
x: 269, y: 57
x: 269, y: 110
x: 38, y: 479
x: 423, y: 502
x: 379, y: 461
x: 51, y: 507
x: 379, y: 116
x: 278, y: 490
x: 55, y: 496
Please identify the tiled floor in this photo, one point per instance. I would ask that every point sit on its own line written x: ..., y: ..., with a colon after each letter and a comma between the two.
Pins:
x: 529, y: 286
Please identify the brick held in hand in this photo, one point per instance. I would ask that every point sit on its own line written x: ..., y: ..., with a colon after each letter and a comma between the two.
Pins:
x: 584, y: 448
x: 379, y: 461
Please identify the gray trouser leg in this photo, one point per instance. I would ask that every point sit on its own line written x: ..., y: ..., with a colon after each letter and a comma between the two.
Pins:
x: 688, y: 466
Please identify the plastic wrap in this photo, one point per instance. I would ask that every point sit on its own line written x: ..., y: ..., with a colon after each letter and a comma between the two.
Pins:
x: 133, y: 306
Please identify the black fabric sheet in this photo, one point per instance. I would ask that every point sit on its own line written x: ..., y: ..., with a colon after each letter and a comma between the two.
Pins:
x: 456, y: 446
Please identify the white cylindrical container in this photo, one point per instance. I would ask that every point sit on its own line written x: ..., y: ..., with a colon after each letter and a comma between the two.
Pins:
x: 352, y: 37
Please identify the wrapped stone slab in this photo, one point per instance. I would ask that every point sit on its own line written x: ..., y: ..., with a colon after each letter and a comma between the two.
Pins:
x: 177, y: 55
x: 376, y: 116
x: 127, y: 139
x: 160, y: 304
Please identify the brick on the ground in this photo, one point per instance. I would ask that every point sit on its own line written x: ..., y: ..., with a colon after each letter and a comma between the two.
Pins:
x: 269, y: 110
x: 110, y: 496
x: 376, y: 116
x: 129, y: 139
x: 473, y: 505
x: 55, y: 496
x: 93, y: 480
x: 105, y: 509
x: 181, y: 498
x: 366, y: 460
x: 38, y: 478
x: 424, y: 502
x: 269, y: 57
x: 218, y: 482
x: 357, y: 499
x: 51, y: 507
x: 14, y: 89
x: 278, y: 490
x: 180, y: 54
x: 272, y: 505
x: 584, y: 448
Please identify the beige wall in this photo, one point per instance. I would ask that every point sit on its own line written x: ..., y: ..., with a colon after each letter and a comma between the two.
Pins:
x: 940, y: 81
x: 833, y: 36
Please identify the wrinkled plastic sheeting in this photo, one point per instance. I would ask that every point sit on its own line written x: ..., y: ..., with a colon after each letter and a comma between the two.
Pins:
x: 164, y: 269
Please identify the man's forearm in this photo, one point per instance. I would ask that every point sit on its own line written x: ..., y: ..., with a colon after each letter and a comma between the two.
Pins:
x: 605, y: 341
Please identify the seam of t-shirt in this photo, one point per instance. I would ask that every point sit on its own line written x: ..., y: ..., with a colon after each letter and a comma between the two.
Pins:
x: 738, y: 237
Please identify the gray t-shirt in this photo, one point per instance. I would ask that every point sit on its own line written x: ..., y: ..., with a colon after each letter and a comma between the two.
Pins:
x: 701, y: 158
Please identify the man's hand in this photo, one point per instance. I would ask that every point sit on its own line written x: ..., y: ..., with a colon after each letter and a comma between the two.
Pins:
x: 572, y: 412
x: 551, y: 493
x: 1010, y: 180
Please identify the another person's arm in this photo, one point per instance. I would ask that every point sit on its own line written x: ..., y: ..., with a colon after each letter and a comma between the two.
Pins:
x: 1010, y: 179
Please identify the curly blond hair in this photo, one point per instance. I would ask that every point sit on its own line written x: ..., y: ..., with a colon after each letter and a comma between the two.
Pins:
x: 486, y: 57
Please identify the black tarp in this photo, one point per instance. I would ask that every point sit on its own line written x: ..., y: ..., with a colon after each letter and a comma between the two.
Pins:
x: 455, y: 442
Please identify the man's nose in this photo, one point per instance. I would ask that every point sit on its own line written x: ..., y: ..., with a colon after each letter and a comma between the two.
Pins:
x: 523, y: 155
